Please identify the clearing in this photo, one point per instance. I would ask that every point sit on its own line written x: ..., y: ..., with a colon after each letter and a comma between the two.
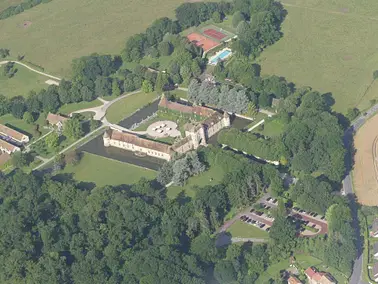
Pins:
x: 68, y: 108
x: 64, y: 30
x: 330, y: 46
x: 103, y: 171
x: 242, y: 230
x: 21, y: 83
x: 365, y: 172
x: 125, y: 107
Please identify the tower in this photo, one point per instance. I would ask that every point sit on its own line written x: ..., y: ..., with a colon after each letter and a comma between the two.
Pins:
x: 106, y: 138
x: 226, y: 119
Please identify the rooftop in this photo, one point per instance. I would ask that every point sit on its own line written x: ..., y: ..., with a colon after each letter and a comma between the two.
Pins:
x: 138, y: 141
x: 6, y: 131
x: 293, y: 280
x: 5, y: 145
x: 55, y: 118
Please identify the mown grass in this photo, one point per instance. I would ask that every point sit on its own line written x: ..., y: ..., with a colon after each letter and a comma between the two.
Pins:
x: 103, y: 171
x: 21, y: 83
x: 242, y: 230
x: 68, y: 108
x: 6, y: 3
x: 330, y: 46
x: 64, y: 30
x: 21, y: 125
x: 128, y: 105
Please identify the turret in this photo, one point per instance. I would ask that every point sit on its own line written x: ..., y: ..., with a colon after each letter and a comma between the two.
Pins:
x: 106, y: 138
x: 226, y: 119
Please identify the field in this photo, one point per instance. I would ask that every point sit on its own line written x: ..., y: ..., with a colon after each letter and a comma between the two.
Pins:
x: 103, y: 171
x: 212, y: 176
x: 128, y: 105
x: 330, y: 46
x: 242, y: 230
x: 365, y: 168
x: 63, y: 30
x: 68, y: 108
x: 22, y: 82
x: 6, y: 3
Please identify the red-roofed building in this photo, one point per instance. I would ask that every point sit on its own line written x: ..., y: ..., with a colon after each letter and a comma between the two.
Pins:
x: 315, y: 277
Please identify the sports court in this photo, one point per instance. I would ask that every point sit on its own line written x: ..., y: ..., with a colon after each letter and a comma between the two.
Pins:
x: 214, y: 34
x: 202, y: 41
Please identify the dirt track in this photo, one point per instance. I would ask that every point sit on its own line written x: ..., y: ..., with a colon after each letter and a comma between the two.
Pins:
x: 365, y: 173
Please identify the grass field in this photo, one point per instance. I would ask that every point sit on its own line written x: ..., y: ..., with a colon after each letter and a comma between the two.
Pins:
x: 215, y: 173
x: 128, y: 105
x: 6, y: 3
x: 271, y: 128
x: 242, y: 230
x: 68, y: 108
x: 22, y: 82
x: 103, y: 171
x: 330, y: 46
x: 63, y: 30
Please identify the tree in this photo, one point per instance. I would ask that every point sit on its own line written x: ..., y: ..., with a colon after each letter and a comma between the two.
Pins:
x: 87, y: 94
x: 217, y: 17
x: 165, y: 48
x: 9, y: 70
x: 94, y: 124
x: 52, y: 140
x: 282, y: 234
x: 4, y: 52
x: 375, y: 74
x: 224, y: 272
x: 4, y: 105
x: 28, y: 118
x: 352, y: 113
x: 73, y: 129
x: 103, y: 87
x: 116, y: 91
x: 165, y: 173
x: 18, y: 107
x: 64, y: 91
x: 147, y: 87
x: 20, y: 160
x: 161, y: 82
x: 237, y: 18
x: 72, y: 158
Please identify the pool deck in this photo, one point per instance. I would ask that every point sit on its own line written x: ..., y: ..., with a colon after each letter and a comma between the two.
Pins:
x: 219, y: 56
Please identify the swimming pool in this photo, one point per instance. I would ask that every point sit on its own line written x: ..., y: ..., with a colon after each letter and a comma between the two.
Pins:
x: 222, y: 55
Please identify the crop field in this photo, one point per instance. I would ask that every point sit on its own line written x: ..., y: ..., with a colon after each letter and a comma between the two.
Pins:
x: 330, y: 46
x: 63, y: 30
x: 21, y: 83
x: 365, y: 172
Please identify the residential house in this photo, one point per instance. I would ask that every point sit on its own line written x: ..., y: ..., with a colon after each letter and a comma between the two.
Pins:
x: 375, y: 272
x: 8, y: 148
x: 315, y: 277
x: 294, y: 280
x: 9, y: 134
x: 374, y: 229
x: 56, y: 120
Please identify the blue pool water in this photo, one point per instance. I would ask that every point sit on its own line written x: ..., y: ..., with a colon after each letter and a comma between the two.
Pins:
x: 220, y: 56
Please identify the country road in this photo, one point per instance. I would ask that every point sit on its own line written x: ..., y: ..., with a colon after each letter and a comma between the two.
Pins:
x: 356, y: 276
x: 31, y: 69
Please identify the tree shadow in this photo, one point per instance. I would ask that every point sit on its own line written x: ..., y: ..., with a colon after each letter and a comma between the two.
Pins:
x: 328, y: 98
x: 223, y: 239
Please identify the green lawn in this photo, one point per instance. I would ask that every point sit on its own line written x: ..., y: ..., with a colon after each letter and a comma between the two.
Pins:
x: 330, y: 46
x: 78, y: 28
x: 242, y: 230
x: 21, y: 83
x: 103, y: 171
x: 128, y: 105
x: 20, y: 124
x: 260, y: 116
x: 215, y: 173
x: 6, y: 3
x: 271, y: 128
x: 68, y: 108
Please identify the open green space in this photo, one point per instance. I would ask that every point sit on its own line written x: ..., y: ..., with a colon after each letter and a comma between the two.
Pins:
x: 271, y: 128
x: 21, y: 83
x: 256, y: 119
x: 242, y: 230
x: 86, y: 26
x: 68, y: 108
x: 103, y: 171
x: 330, y: 46
x: 212, y: 176
x: 125, y: 107
x: 21, y: 125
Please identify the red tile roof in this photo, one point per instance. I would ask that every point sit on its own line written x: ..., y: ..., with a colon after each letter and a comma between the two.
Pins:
x: 55, y: 118
x: 199, y: 110
x: 6, y: 131
x: 293, y: 280
x: 5, y: 145
x: 310, y: 272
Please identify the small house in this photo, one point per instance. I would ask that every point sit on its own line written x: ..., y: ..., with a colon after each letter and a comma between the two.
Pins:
x: 56, y: 120
x: 9, y: 134
x: 315, y: 277
x: 294, y: 280
x: 8, y: 148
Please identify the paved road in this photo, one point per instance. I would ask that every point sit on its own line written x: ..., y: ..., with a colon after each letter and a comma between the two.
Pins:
x: 31, y: 69
x: 348, y: 189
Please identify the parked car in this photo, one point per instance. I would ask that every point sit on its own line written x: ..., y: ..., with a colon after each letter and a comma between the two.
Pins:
x: 269, y: 199
x: 252, y: 210
x: 274, y: 201
x: 267, y: 229
x: 315, y: 214
x: 262, y: 226
x: 296, y: 208
x: 258, y: 213
x: 323, y: 217
x: 313, y: 226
